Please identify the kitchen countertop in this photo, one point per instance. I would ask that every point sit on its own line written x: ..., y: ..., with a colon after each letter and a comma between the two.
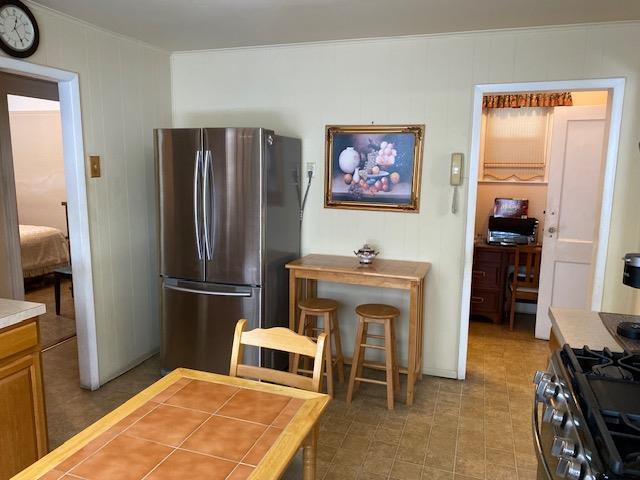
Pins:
x: 581, y: 327
x: 16, y: 311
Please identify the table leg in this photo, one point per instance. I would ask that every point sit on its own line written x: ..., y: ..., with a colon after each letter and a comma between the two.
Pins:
x: 293, y: 300
x: 420, y: 338
x: 412, y: 340
x: 309, y: 455
x: 311, y: 288
x: 56, y: 290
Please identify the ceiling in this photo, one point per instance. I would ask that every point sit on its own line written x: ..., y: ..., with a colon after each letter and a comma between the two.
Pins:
x: 177, y: 25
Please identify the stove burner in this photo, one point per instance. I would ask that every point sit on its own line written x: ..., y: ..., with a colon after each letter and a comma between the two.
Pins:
x: 629, y: 330
x: 606, y: 386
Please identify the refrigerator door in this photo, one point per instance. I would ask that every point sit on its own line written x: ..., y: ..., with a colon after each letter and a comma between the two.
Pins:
x: 233, y: 205
x: 180, y: 165
x: 198, y: 323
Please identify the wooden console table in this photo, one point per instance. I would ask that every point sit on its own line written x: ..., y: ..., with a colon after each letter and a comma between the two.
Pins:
x: 305, y: 272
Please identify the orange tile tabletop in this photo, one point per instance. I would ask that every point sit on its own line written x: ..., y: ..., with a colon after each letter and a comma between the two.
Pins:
x: 192, y: 425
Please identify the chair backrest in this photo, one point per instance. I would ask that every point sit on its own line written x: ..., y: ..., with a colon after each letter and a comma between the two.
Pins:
x: 284, y: 340
x: 527, y: 266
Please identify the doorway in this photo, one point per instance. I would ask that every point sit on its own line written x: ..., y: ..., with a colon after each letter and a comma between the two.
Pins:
x: 65, y: 85
x: 524, y: 162
x: 35, y: 129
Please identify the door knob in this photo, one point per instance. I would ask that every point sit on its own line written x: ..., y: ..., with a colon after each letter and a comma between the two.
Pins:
x: 552, y: 230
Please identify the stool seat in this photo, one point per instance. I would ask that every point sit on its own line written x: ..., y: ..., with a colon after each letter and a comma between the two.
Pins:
x: 377, y: 310
x: 318, y: 305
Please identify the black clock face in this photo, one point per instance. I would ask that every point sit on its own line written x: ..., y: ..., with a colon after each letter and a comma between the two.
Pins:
x: 18, y: 29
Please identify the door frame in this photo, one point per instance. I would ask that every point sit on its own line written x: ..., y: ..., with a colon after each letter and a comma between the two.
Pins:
x: 615, y: 86
x: 76, y: 185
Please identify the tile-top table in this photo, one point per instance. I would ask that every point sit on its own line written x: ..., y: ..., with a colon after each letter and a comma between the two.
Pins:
x: 306, y: 271
x: 193, y: 425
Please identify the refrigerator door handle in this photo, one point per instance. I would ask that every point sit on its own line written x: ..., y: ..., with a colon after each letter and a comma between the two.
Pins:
x: 196, y: 201
x: 208, y: 197
x: 208, y: 292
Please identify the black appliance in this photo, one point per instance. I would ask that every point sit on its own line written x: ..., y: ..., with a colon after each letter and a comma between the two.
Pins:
x: 631, y: 277
x: 512, y: 231
x: 632, y: 270
x: 586, y: 416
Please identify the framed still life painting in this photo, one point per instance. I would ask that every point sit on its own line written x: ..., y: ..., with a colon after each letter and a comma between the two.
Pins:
x: 373, y: 167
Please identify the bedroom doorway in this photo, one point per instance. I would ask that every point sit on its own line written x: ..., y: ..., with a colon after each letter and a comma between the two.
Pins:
x: 41, y: 202
x: 40, y: 114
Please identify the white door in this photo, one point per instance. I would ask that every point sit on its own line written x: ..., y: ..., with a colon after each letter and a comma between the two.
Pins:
x: 572, y: 216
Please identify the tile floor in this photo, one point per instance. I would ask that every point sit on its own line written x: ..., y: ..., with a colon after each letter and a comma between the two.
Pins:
x: 457, y: 430
x: 479, y: 428
x: 70, y: 409
x: 53, y: 328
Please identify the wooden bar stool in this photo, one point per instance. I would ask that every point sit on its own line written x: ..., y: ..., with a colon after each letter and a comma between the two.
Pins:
x: 382, y: 315
x: 311, y: 309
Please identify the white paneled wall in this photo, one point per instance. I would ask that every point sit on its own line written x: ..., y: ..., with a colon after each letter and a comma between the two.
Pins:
x: 125, y: 93
x: 297, y: 89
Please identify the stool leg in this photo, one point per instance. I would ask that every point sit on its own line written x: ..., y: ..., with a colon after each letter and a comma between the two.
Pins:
x: 301, y: 331
x: 396, y: 367
x: 329, y: 357
x: 389, y: 363
x: 355, y: 362
x: 310, y: 323
x: 363, y: 339
x: 339, y: 355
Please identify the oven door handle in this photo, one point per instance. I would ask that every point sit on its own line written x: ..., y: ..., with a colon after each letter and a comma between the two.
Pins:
x: 537, y: 440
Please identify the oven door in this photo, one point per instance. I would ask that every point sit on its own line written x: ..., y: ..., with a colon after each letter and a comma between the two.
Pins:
x: 543, y: 438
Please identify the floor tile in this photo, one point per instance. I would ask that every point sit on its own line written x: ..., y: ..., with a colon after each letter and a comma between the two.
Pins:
x: 500, y: 457
x: 406, y: 471
x: 500, y: 472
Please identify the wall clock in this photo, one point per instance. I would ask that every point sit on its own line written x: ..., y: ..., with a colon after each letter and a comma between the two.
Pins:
x: 19, y: 35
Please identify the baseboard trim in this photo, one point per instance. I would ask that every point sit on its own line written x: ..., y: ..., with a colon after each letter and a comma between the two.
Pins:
x: 130, y: 366
x: 440, y: 372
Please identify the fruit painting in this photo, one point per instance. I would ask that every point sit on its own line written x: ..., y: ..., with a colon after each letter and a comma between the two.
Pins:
x: 373, y: 167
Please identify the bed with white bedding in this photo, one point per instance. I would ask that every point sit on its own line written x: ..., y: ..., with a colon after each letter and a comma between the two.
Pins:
x: 43, y: 250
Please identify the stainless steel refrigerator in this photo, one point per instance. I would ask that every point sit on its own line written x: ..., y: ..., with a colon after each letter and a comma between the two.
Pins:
x: 229, y: 216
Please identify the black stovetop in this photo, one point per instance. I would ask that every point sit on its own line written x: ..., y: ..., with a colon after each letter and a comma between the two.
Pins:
x: 607, y: 389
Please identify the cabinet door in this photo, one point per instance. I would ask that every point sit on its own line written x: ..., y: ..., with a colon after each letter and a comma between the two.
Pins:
x: 22, y: 423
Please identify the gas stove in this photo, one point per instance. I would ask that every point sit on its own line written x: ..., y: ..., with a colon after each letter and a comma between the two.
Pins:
x: 587, y: 416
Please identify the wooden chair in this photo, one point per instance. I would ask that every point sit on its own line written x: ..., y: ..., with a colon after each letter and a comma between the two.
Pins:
x: 526, y: 277
x: 284, y: 340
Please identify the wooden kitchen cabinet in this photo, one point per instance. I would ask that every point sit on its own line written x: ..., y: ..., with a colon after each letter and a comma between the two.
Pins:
x: 489, y: 280
x: 23, y: 430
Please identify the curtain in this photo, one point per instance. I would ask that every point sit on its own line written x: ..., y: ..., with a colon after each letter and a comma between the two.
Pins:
x: 555, y: 99
x: 515, y: 143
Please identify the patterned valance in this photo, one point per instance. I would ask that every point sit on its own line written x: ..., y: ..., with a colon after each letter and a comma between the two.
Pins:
x: 555, y: 99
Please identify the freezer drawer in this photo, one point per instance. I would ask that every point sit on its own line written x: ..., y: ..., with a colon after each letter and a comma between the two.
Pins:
x: 199, y: 321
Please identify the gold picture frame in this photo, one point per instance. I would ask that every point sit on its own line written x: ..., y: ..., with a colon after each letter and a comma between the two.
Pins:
x: 373, y: 167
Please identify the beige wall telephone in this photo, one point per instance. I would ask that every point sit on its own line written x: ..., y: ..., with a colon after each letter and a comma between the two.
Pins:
x: 457, y: 162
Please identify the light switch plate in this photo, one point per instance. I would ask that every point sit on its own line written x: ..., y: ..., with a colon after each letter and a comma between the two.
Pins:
x: 94, y: 166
